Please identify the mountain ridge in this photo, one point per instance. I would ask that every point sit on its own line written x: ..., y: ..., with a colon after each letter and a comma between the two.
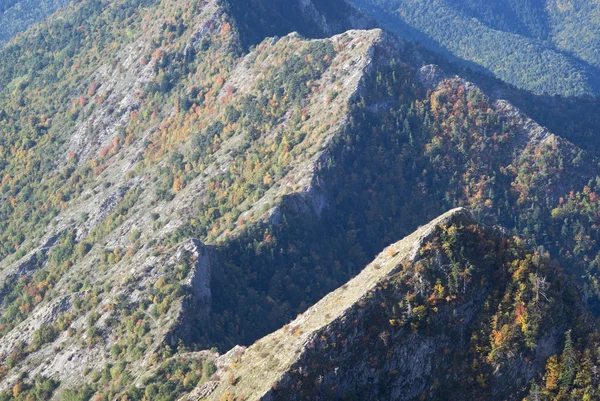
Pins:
x: 179, y: 187
x: 120, y: 196
x: 338, y: 348
x: 335, y: 304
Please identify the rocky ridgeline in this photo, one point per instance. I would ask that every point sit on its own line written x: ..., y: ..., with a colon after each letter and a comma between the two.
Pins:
x: 356, y: 342
x: 129, y: 280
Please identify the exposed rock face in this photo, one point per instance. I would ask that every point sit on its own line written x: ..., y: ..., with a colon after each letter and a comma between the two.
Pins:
x: 431, y: 75
x: 196, y: 305
x: 199, y: 280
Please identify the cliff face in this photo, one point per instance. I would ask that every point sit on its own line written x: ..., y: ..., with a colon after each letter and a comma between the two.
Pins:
x: 415, y: 323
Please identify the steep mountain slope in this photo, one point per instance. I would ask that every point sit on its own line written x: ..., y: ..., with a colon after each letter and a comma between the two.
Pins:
x: 454, y: 311
x: 131, y: 298
x: 17, y: 15
x: 169, y: 185
x: 542, y: 46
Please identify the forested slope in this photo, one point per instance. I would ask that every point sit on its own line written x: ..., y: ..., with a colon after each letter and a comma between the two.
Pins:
x: 541, y: 46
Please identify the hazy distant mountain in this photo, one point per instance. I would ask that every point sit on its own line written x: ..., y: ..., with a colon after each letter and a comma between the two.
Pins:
x: 17, y: 15
x: 546, y: 46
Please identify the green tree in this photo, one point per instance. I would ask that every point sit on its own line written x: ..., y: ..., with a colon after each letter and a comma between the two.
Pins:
x: 568, y: 362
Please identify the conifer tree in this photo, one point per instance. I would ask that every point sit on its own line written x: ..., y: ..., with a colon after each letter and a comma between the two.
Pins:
x: 568, y: 362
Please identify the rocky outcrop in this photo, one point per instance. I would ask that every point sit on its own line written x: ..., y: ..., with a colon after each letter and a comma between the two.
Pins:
x: 196, y: 304
x: 431, y: 75
x: 199, y: 279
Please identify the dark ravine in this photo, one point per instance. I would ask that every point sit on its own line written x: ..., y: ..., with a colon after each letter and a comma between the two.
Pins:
x: 310, y: 18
